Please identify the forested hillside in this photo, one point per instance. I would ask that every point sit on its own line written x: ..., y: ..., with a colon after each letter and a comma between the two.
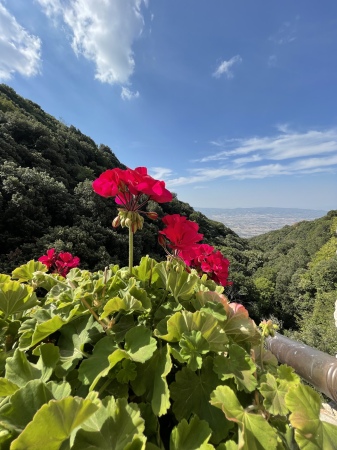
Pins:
x: 47, y: 200
x: 46, y: 197
x: 297, y: 282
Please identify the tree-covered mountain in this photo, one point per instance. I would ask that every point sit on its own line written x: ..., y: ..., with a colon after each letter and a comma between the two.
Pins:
x: 46, y: 197
x: 297, y: 282
x: 46, y: 200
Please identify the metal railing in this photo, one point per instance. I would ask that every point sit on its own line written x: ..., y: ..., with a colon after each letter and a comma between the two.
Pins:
x: 316, y: 367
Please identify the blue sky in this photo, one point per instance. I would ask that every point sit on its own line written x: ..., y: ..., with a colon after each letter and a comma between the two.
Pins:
x: 233, y: 104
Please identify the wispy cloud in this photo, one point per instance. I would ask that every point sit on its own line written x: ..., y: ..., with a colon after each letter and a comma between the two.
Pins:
x: 103, y: 32
x: 224, y: 67
x: 286, y: 153
x: 286, y: 33
x: 160, y: 173
x: 20, y: 51
x: 127, y: 94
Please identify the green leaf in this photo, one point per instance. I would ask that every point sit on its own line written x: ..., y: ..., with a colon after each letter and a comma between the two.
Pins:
x: 237, y: 365
x: 49, y: 357
x: 151, y: 381
x: 62, y: 417
x: 26, y: 271
x: 19, y: 371
x: 139, y: 344
x: 16, y: 297
x: 98, y: 361
x: 144, y: 271
x: 59, y: 390
x: 116, y: 425
x: 186, y: 322
x: 128, y: 371
x: 310, y: 432
x: 4, y: 278
x: 7, y: 387
x: 128, y: 303
x: 23, y: 405
x: 191, y: 394
x: 274, y: 392
x: 192, y: 436
x: 239, y: 326
x: 176, y: 279
x: 255, y: 433
x: 73, y: 337
x: 193, y: 346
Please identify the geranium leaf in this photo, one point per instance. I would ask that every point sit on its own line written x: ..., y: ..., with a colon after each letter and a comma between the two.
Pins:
x: 144, y: 271
x: 237, y: 365
x: 193, y: 436
x: 185, y: 322
x: 151, y: 380
x: 191, y: 394
x: 139, y: 344
x: 274, y: 392
x: 49, y: 356
x: 177, y: 280
x: 73, y: 337
x: 24, y: 403
x: 310, y: 432
x: 98, y: 361
x: 16, y: 297
x: 128, y: 303
x: 193, y: 345
x: 239, y: 326
x: 26, y: 271
x: 255, y: 433
x: 128, y: 371
x: 116, y: 425
x: 4, y: 278
x: 7, y: 387
x: 62, y: 416
x: 288, y: 374
x: 19, y: 371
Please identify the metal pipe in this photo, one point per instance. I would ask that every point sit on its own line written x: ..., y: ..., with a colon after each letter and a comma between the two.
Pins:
x: 316, y: 367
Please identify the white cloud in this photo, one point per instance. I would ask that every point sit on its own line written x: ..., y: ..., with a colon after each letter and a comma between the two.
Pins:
x: 286, y: 33
x: 225, y: 66
x: 103, y: 32
x: 126, y: 94
x: 160, y: 173
x: 289, y: 153
x: 20, y: 51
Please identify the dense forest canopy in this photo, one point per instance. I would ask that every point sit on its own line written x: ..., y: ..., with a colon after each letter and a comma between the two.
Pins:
x: 46, y: 200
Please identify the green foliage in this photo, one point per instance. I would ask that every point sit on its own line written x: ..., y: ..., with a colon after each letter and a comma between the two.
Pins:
x: 114, y: 361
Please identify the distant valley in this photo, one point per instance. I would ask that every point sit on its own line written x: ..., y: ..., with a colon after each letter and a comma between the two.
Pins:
x: 249, y: 222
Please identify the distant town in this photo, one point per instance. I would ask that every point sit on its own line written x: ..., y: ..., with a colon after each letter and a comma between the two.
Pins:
x: 249, y: 222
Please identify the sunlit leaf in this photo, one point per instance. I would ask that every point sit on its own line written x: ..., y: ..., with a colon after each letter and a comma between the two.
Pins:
x: 237, y: 365
x: 191, y: 394
x: 255, y: 433
x: 7, y: 387
x: 192, y: 436
x: 177, y: 280
x: 73, y: 337
x: 193, y: 346
x: 274, y: 392
x: 128, y: 303
x: 24, y: 403
x: 49, y: 356
x: 144, y: 271
x: 4, y: 278
x: 26, y: 271
x: 310, y: 432
x: 53, y: 424
x: 16, y: 297
x: 116, y: 425
x: 19, y: 370
x: 185, y: 322
x: 151, y: 380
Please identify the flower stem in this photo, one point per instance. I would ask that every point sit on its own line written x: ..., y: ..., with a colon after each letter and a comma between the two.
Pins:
x: 130, y: 249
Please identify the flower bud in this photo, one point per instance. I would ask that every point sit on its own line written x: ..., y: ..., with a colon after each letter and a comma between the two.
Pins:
x: 116, y: 222
x: 152, y: 215
x: 162, y: 240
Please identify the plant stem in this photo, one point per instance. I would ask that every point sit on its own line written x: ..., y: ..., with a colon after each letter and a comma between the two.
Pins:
x: 130, y: 250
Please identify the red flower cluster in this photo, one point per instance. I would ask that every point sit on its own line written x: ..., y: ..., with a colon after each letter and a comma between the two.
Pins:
x: 181, y: 233
x: 127, y: 185
x: 182, y: 236
x: 59, y: 263
x: 205, y: 259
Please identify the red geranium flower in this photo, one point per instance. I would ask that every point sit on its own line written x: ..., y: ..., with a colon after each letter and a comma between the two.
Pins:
x: 204, y: 258
x: 181, y: 233
x: 59, y: 263
x: 129, y: 188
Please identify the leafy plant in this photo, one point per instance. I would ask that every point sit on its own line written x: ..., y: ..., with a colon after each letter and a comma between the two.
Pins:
x: 156, y: 359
